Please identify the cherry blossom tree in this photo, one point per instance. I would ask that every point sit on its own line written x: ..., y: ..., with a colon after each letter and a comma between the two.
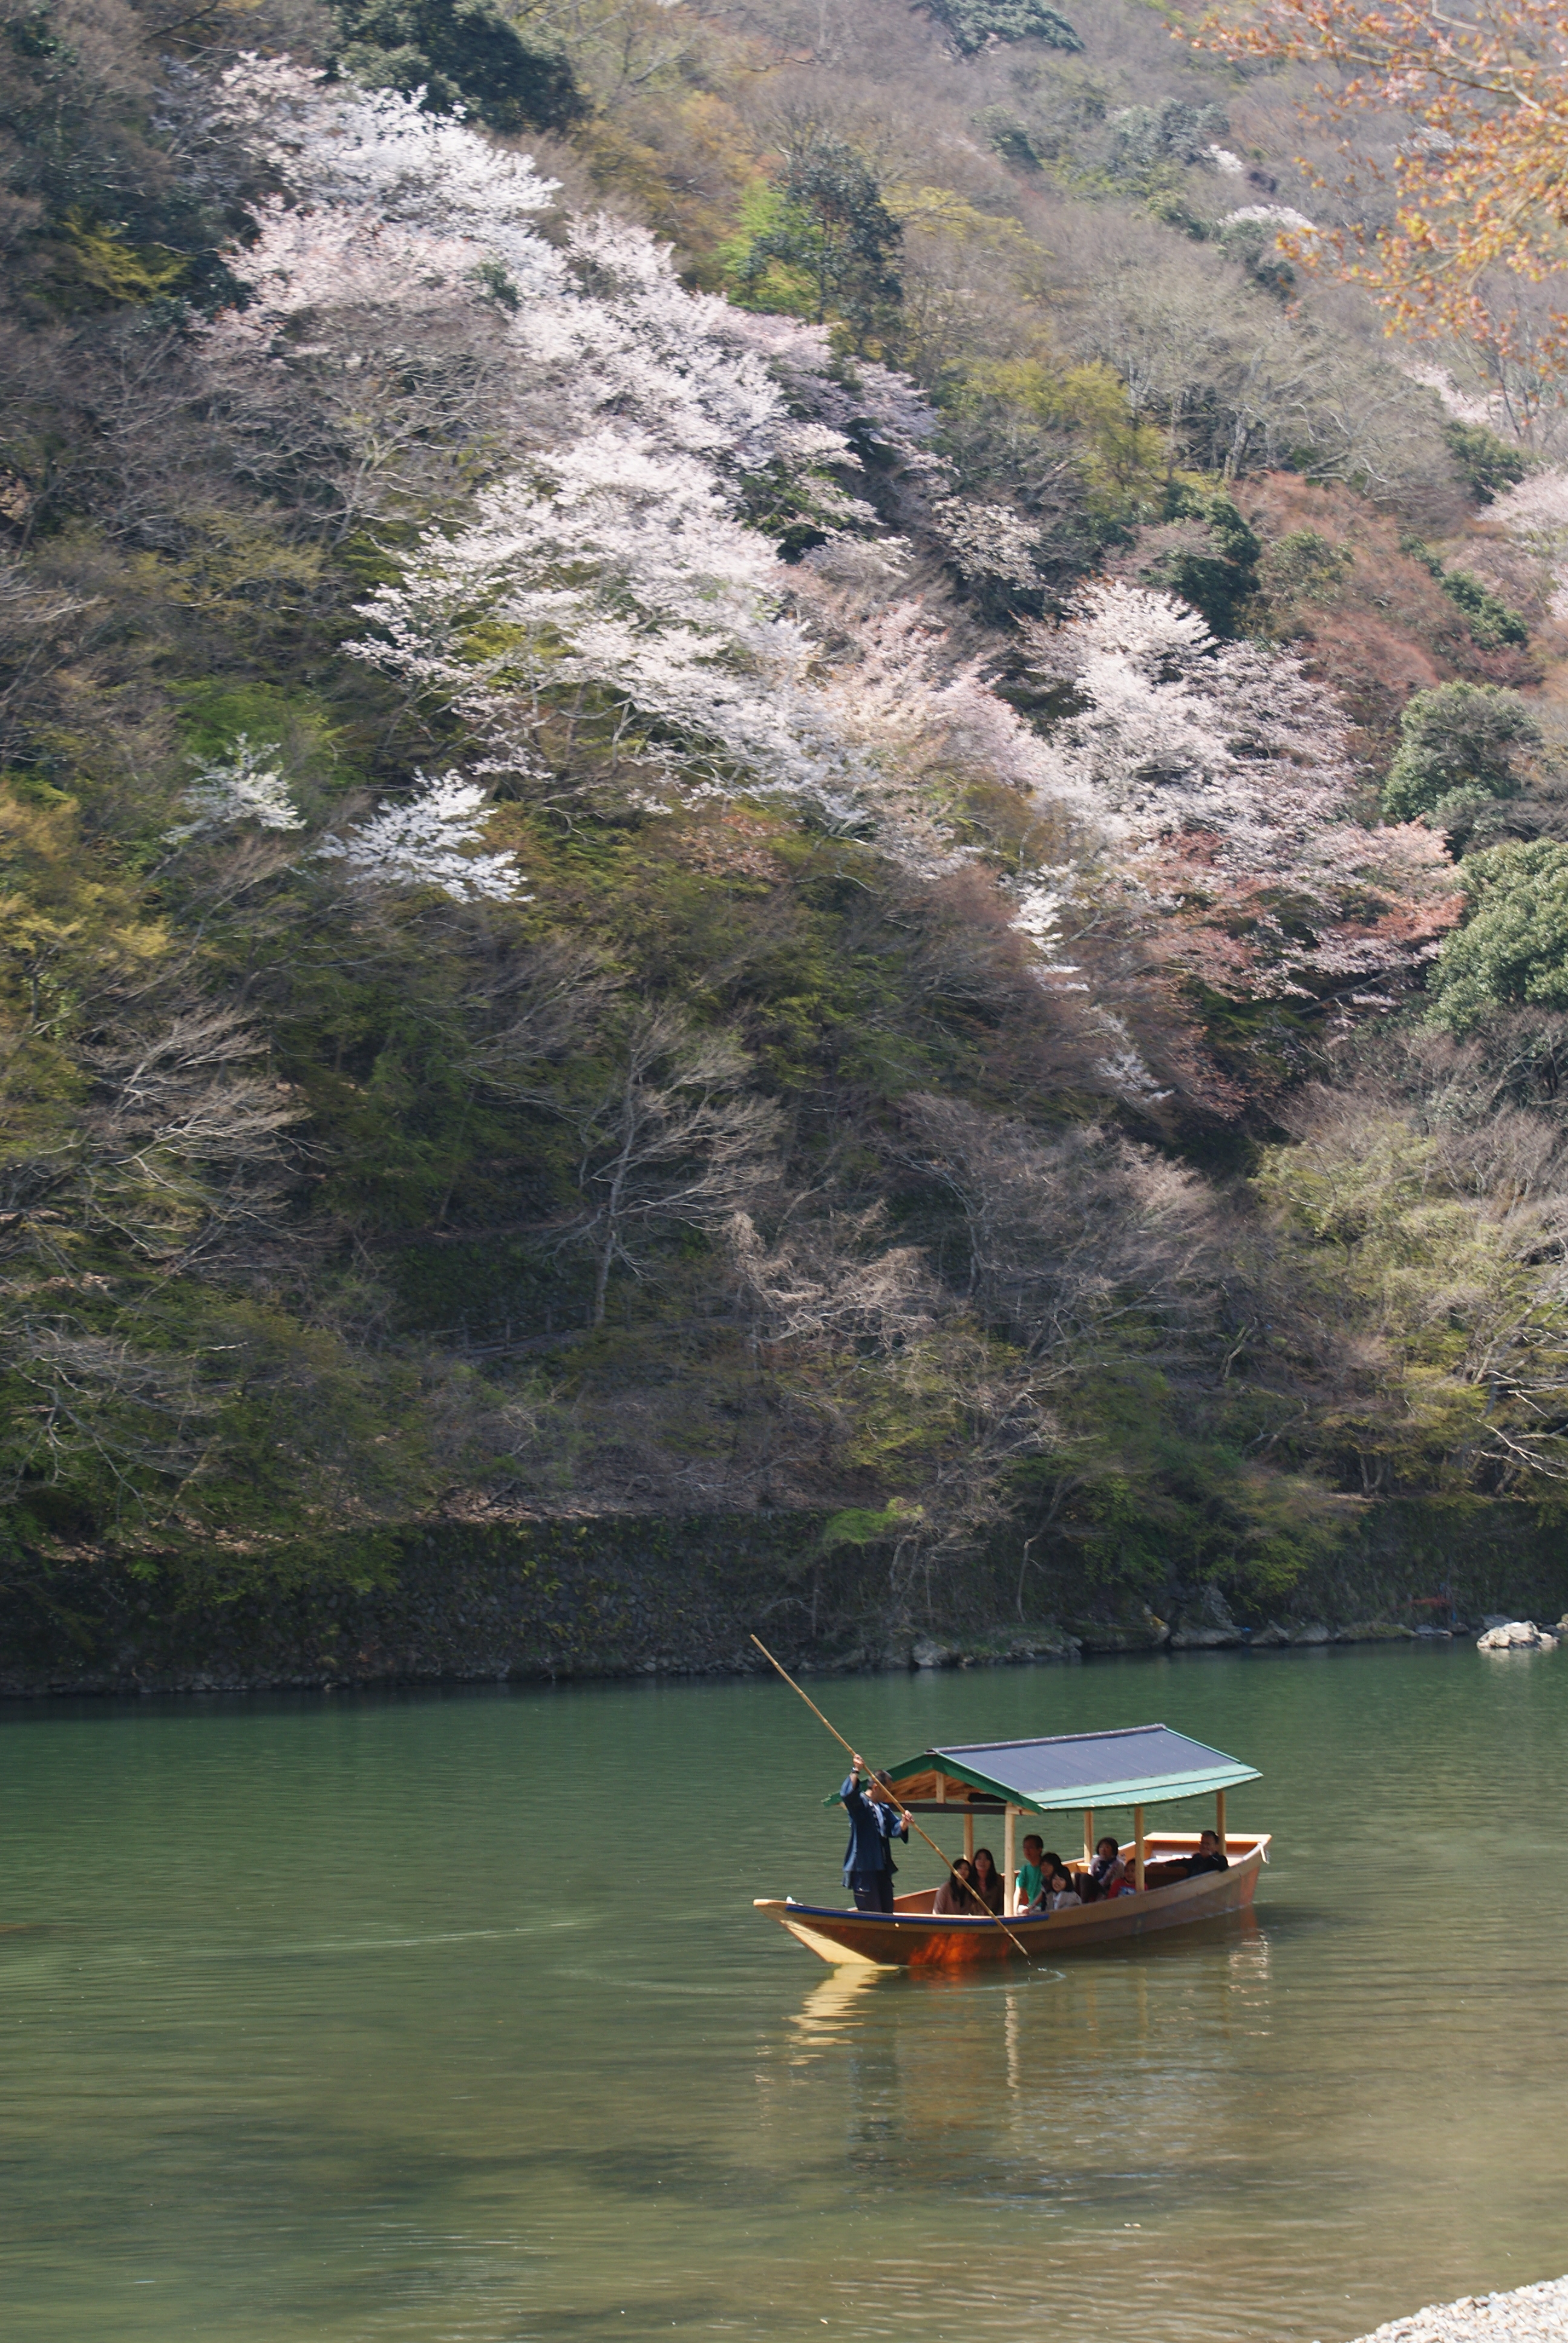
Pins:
x: 245, y: 786
x: 343, y: 256
x: 392, y: 211
x: 1221, y: 771
x: 335, y: 144
x: 388, y: 207
x: 426, y: 843
x: 608, y: 585
x: 610, y: 613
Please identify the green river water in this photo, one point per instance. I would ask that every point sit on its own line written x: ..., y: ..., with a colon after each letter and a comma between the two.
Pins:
x: 447, y: 2019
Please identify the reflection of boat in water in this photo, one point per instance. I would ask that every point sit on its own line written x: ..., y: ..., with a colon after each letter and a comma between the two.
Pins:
x: 1146, y: 1765
x: 831, y: 2010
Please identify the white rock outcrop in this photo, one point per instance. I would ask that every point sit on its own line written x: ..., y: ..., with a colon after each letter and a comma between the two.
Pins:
x: 1517, y: 1635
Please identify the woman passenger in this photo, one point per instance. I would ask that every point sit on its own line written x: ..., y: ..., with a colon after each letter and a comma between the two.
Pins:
x: 956, y: 1893
x: 988, y: 1880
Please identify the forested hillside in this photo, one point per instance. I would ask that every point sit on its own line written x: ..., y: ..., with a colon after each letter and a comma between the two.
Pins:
x: 753, y: 762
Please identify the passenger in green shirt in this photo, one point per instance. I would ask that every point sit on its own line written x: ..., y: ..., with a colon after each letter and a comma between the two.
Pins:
x: 1027, y: 1881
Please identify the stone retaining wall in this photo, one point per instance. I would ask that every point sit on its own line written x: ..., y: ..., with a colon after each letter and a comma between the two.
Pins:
x: 606, y: 1597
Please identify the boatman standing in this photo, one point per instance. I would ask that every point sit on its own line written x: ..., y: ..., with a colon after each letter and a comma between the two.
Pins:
x: 875, y: 1819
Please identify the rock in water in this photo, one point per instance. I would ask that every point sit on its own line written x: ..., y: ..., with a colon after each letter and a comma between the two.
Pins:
x: 1517, y: 1635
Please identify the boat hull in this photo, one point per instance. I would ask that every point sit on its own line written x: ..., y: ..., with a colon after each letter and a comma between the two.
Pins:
x: 912, y: 1936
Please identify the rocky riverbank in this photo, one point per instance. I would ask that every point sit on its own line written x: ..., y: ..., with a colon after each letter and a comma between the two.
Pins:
x: 593, y: 1597
x: 1530, y: 2314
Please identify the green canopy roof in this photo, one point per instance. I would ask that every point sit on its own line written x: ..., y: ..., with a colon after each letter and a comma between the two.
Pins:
x: 1142, y: 1765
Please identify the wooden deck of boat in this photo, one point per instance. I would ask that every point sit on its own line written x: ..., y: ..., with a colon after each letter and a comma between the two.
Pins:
x: 911, y: 1937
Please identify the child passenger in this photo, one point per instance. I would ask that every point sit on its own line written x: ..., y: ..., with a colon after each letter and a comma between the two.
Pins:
x: 1063, y: 1896
x: 1108, y: 1866
x: 1049, y: 1865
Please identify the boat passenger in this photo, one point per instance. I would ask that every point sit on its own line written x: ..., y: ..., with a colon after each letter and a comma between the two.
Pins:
x: 1049, y: 1864
x: 1062, y: 1895
x: 987, y: 1879
x: 1028, y: 1872
x: 956, y: 1893
x: 1108, y: 1865
x: 875, y: 1818
x: 1210, y: 1857
x: 1175, y: 1867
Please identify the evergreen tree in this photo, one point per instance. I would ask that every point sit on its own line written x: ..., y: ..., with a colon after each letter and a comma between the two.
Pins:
x: 1486, y: 464
x: 833, y: 226
x: 1459, y: 737
x: 1514, y: 946
x: 461, y: 53
x: 973, y: 24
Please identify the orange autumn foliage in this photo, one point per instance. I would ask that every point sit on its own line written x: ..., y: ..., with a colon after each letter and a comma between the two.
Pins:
x: 1479, y: 185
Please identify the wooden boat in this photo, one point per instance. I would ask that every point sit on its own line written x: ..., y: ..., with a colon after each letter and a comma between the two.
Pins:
x: 1142, y: 1766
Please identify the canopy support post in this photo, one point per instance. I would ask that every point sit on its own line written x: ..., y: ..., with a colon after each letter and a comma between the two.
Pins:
x: 968, y: 1834
x: 1137, y: 1848
x: 1220, y: 1820
x: 1087, y: 1834
x: 1009, y: 1886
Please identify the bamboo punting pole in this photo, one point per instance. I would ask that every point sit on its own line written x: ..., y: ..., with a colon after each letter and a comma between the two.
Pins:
x: 908, y: 1817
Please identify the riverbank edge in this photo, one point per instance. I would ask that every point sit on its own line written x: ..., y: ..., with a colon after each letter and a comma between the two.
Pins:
x: 629, y: 1596
x: 1525, y: 2314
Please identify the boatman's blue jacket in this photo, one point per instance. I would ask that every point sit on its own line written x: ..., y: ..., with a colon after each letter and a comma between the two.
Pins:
x: 870, y: 1828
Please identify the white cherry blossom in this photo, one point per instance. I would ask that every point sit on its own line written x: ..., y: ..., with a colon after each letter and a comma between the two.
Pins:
x: 426, y: 843
x: 1275, y: 216
x: 332, y: 143
x: 245, y: 786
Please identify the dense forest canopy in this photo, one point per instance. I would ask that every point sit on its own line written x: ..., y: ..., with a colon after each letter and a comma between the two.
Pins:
x: 761, y: 758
